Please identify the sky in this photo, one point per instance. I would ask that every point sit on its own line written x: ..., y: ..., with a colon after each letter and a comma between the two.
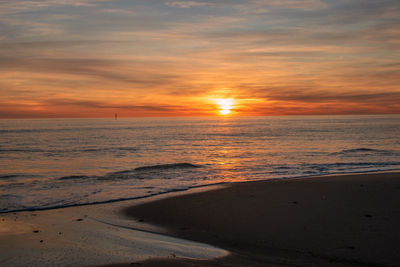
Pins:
x: 140, y: 58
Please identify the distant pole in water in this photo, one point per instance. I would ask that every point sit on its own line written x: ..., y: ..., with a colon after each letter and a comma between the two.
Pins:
x: 116, y: 116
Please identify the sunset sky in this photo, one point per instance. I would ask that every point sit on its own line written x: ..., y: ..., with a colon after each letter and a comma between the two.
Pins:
x: 95, y: 58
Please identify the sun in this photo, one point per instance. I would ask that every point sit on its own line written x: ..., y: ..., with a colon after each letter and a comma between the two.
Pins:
x: 224, y: 111
x: 225, y: 105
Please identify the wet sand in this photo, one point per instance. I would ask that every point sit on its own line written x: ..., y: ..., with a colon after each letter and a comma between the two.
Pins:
x: 349, y: 220
x: 86, y: 236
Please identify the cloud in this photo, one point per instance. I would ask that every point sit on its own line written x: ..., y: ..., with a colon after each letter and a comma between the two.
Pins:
x: 152, y: 57
x: 118, y: 11
x: 326, y: 96
x: 127, y: 71
x: 14, y: 7
x: 67, y: 108
x: 295, y: 4
x: 187, y: 4
x: 55, y: 44
x: 105, y: 105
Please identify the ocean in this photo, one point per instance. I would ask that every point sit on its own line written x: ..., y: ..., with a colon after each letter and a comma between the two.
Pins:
x: 50, y: 163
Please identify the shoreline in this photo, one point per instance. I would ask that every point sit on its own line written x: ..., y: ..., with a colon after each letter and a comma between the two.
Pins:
x: 209, y: 215
x: 192, y: 188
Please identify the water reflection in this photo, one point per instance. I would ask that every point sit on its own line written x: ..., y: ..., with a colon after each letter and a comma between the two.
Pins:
x: 36, y: 154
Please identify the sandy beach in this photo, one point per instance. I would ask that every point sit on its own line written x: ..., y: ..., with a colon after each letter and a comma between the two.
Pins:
x: 199, y: 133
x: 346, y: 220
x: 349, y: 219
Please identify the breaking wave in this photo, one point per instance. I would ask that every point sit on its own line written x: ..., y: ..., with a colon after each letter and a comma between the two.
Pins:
x: 137, y: 173
x: 58, y: 163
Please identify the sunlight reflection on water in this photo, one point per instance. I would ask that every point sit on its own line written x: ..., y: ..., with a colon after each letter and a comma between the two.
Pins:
x: 49, y: 163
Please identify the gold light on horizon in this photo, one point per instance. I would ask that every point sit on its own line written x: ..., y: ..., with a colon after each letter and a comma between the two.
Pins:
x: 225, y: 105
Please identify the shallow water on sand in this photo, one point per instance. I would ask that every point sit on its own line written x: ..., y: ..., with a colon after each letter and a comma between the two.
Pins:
x: 89, y: 236
x: 63, y: 162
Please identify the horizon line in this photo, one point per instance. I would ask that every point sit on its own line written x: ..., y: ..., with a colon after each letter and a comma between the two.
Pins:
x: 199, y: 116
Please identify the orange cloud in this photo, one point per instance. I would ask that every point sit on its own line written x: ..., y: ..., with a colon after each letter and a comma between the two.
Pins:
x: 170, y: 58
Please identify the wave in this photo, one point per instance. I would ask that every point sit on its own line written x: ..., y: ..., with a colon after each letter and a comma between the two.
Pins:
x: 74, y: 177
x: 24, y: 150
x: 104, y: 149
x: 333, y: 168
x: 126, y: 148
x: 9, y: 176
x: 350, y: 167
x: 16, y: 175
x: 167, y: 166
x: 385, y: 163
x: 362, y: 150
x: 61, y: 129
x: 35, y: 150
x: 60, y: 204
x: 136, y: 173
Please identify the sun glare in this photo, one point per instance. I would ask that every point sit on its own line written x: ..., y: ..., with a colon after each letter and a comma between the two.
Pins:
x: 225, y: 105
x: 224, y: 111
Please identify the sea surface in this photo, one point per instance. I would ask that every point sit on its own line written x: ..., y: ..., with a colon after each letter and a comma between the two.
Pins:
x: 65, y: 162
